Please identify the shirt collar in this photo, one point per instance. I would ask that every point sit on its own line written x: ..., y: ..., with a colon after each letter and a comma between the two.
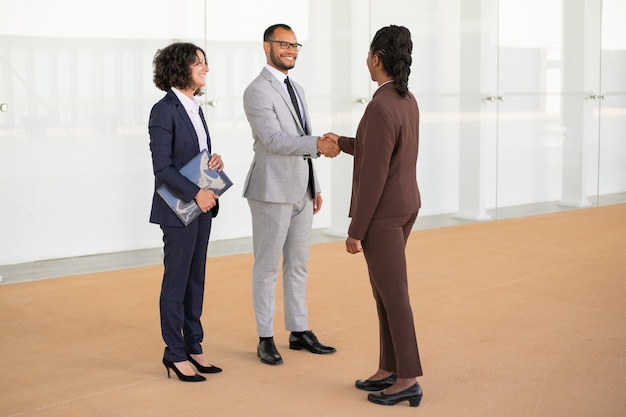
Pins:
x: 279, y: 75
x: 191, y: 105
x: 380, y: 87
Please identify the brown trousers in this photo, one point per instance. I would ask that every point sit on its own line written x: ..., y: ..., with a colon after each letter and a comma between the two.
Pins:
x: 384, y: 250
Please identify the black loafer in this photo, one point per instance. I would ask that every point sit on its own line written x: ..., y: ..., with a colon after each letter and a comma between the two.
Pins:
x: 376, y: 385
x: 412, y: 394
x: 307, y: 340
x: 267, y: 352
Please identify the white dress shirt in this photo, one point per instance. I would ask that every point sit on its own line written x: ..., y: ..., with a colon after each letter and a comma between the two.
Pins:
x: 193, y: 110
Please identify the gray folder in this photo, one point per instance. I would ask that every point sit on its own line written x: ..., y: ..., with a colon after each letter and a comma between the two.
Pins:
x: 197, y: 170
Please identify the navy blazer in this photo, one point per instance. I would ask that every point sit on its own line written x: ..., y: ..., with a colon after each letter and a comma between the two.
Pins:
x: 173, y: 143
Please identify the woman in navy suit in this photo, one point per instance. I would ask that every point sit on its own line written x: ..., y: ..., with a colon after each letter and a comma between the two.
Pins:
x: 178, y: 132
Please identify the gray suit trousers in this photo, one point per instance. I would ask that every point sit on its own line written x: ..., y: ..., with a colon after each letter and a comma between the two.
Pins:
x: 280, y: 229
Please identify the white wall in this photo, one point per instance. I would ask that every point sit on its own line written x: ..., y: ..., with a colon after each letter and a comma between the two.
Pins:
x: 75, y: 172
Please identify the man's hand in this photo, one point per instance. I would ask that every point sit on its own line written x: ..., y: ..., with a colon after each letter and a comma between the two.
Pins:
x: 328, y: 147
x: 317, y: 203
x: 332, y: 136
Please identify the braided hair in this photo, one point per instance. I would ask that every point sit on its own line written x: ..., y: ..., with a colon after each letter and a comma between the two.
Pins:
x: 393, y: 46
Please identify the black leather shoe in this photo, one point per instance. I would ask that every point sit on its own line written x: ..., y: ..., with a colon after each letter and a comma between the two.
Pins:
x: 309, y: 341
x: 376, y: 385
x: 267, y: 352
x: 412, y: 394
x: 203, y: 369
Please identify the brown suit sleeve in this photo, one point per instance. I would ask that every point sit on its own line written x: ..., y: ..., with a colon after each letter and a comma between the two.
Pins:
x: 376, y: 141
x: 346, y: 144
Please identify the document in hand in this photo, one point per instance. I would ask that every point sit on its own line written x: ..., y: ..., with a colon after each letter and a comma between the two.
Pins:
x: 197, y: 170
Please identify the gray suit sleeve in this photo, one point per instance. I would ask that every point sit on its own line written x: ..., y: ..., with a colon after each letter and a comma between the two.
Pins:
x: 272, y: 123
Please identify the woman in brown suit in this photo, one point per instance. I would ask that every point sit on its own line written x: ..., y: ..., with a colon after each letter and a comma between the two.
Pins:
x: 384, y: 205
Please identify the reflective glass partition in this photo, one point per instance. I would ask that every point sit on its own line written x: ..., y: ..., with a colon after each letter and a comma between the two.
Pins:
x: 235, y: 56
x: 611, y: 98
x: 531, y: 147
x: 513, y: 121
x: 448, y: 105
x: 75, y: 168
x: 522, y: 103
x: 76, y: 84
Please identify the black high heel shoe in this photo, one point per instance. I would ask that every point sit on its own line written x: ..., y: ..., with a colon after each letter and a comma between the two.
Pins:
x: 186, y: 378
x: 204, y: 369
x: 413, y: 395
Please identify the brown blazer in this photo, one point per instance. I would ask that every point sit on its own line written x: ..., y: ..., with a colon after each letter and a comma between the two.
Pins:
x: 385, y: 150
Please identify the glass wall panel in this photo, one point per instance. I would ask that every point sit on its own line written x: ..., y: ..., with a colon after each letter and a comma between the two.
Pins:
x: 612, y: 114
x: 530, y: 138
x: 513, y: 121
x: 436, y: 30
x: 75, y: 166
x: 74, y: 153
x: 438, y: 161
x: 235, y: 57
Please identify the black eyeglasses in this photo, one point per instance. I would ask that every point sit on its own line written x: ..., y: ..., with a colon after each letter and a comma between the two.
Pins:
x: 286, y: 45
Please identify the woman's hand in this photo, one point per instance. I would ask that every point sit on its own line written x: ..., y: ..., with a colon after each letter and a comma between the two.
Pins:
x: 215, y: 163
x: 206, y: 199
x: 353, y: 245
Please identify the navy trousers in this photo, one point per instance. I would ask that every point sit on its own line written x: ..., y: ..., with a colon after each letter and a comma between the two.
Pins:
x: 182, y: 290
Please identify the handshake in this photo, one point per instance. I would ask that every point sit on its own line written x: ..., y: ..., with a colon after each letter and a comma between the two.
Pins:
x: 328, y: 145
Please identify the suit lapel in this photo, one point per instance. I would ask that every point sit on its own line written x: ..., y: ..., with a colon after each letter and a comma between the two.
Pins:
x: 185, y: 117
x: 276, y: 85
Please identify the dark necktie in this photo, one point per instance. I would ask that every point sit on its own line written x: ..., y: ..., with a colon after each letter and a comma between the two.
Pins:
x: 294, y: 101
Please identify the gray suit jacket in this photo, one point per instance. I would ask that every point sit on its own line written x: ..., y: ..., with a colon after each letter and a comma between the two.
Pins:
x: 279, y: 171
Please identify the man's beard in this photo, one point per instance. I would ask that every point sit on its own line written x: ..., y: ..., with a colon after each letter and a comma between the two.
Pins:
x: 278, y: 63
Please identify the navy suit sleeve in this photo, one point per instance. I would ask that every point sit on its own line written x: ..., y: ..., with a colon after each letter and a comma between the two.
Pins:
x: 172, y: 147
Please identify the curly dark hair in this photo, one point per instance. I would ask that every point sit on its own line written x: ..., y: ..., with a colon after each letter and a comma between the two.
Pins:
x: 171, y: 66
x: 393, y: 45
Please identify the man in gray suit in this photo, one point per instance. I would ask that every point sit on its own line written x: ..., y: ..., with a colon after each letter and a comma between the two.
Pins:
x: 283, y: 194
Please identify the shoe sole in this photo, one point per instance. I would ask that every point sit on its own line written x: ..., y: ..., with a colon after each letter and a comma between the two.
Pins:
x: 298, y: 347
x: 413, y: 401
x: 270, y: 362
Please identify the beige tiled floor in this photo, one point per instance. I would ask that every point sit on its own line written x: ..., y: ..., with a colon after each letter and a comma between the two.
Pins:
x: 516, y: 317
